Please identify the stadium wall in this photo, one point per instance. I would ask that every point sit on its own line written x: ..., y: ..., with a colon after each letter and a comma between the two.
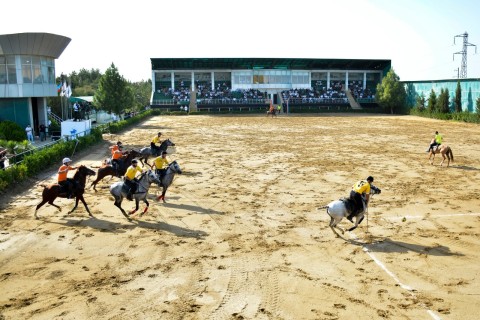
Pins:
x: 470, y: 91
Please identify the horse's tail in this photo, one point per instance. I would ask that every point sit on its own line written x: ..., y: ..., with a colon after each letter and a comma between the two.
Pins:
x: 451, y: 153
x: 324, y: 207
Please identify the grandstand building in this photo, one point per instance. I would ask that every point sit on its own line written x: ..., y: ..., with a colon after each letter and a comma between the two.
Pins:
x: 27, y: 76
x: 215, y: 84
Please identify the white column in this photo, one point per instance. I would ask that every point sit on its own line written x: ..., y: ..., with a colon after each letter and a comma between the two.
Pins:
x: 328, y: 80
x: 193, y: 81
x: 364, y: 80
x: 213, y: 80
x: 172, y: 79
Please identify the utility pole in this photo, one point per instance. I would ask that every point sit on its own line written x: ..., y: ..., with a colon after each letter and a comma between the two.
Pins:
x: 463, y: 73
x: 458, y: 72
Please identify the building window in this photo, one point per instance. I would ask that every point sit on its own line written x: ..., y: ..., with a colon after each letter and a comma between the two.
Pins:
x: 11, y: 70
x: 26, y: 69
x: 3, y: 70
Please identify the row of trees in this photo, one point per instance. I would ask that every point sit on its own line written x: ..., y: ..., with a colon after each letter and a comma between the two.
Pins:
x: 440, y: 103
x: 111, y: 91
x: 391, y: 95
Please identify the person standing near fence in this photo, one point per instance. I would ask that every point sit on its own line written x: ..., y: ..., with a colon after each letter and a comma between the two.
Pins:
x: 29, y: 132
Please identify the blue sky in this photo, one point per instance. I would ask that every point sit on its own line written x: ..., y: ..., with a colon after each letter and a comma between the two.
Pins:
x: 418, y: 36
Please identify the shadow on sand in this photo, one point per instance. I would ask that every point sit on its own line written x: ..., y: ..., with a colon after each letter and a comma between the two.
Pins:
x: 115, y: 227
x: 380, y: 244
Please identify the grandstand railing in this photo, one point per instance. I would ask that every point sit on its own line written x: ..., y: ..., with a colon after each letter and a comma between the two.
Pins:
x: 230, y: 101
x: 320, y: 101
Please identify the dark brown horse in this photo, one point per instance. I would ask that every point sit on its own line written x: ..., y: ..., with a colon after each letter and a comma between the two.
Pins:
x: 445, y: 151
x: 108, y: 170
x: 52, y: 191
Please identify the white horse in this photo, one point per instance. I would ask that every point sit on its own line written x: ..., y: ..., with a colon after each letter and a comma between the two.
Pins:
x: 339, y: 209
x: 167, y: 179
x: 119, y: 190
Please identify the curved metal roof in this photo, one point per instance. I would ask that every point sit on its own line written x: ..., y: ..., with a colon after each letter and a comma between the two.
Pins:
x: 39, y: 44
x: 268, y: 63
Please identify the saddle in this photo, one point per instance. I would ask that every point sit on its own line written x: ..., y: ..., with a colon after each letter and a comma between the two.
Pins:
x: 349, y: 204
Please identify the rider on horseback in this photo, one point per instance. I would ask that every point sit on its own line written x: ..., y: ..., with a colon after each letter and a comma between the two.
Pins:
x: 359, y: 188
x: 130, y: 179
x: 161, y: 164
x: 66, y: 184
x: 117, y: 156
x: 436, y: 141
x: 153, y: 144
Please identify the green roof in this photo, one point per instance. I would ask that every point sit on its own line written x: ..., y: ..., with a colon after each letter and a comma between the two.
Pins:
x: 268, y: 63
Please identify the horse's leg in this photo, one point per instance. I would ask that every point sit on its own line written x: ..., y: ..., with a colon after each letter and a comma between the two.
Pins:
x: 118, y: 204
x: 84, y: 204
x: 334, y: 224
x: 444, y: 157
x: 162, y: 196
x: 76, y: 205
x: 146, y: 208
x: 39, y: 206
x: 136, y: 207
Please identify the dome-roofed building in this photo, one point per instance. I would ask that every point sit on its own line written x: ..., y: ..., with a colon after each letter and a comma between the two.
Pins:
x: 27, y: 75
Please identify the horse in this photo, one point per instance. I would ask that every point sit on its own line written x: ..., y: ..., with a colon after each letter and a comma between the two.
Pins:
x: 144, y: 181
x: 273, y: 112
x: 167, y: 179
x: 108, y: 170
x: 52, y: 191
x: 444, y: 150
x: 339, y: 209
x: 147, y: 151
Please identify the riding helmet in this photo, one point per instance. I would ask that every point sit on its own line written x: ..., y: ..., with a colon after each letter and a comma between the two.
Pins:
x: 66, y: 160
x: 134, y: 161
x: 119, y: 143
x: 370, y: 178
x: 164, y: 152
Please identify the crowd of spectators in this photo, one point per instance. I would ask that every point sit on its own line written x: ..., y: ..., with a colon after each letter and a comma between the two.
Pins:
x: 205, y: 94
x: 358, y: 92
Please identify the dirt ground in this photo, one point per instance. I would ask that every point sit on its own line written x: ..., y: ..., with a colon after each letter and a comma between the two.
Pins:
x: 241, y: 236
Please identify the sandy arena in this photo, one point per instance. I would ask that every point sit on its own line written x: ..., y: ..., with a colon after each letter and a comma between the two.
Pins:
x: 240, y: 236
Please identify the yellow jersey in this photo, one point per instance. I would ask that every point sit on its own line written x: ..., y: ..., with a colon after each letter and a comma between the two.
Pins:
x: 160, y: 163
x: 132, y: 171
x: 156, y: 139
x: 361, y: 186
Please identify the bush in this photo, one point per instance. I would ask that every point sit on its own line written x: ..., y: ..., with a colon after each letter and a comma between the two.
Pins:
x: 10, y: 130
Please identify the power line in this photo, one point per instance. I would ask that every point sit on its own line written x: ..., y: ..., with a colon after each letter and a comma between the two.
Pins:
x: 466, y: 44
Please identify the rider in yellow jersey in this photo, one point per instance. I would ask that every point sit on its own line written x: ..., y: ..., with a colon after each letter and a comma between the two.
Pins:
x: 160, y: 164
x: 436, y: 141
x: 130, y: 180
x: 359, y: 188
x: 153, y: 144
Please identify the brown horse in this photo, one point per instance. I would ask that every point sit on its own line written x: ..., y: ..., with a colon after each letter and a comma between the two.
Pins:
x: 445, y: 151
x: 108, y: 170
x: 52, y: 191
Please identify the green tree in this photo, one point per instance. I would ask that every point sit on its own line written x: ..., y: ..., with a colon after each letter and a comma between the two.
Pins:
x: 114, y: 93
x: 477, y: 106
x: 420, y: 102
x: 458, y: 98
x: 432, y: 101
x: 443, y: 102
x: 141, y: 92
x: 391, y: 93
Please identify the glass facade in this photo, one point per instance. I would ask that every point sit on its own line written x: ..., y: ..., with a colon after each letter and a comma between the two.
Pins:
x: 34, y: 69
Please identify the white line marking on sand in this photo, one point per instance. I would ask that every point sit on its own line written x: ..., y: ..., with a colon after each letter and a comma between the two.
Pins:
x: 394, y: 277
